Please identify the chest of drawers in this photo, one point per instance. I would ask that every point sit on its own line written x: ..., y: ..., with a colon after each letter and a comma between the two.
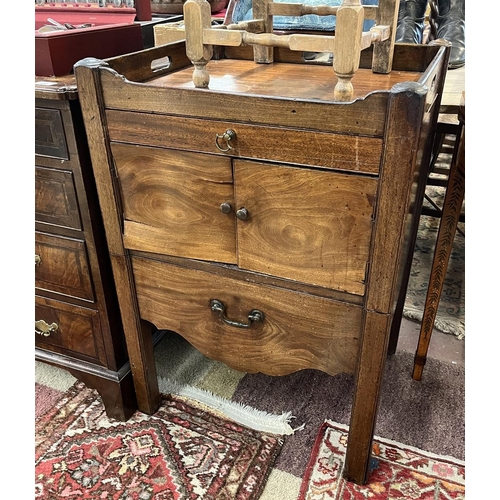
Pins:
x: 77, y: 322
x: 260, y: 219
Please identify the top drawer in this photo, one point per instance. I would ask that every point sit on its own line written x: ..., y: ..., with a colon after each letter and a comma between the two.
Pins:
x: 50, y: 139
x: 304, y: 147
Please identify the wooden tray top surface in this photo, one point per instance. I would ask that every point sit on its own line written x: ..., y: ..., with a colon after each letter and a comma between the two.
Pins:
x: 298, y: 81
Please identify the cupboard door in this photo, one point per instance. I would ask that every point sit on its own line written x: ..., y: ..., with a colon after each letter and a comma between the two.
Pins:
x: 173, y: 202
x: 306, y: 225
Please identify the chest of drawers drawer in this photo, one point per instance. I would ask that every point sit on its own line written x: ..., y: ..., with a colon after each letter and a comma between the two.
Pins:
x: 55, y: 198
x: 248, y: 326
x: 50, y: 137
x: 307, y: 225
x: 62, y: 266
x: 68, y: 330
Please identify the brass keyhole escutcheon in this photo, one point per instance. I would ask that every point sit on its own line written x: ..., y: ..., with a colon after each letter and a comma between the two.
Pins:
x: 223, y: 141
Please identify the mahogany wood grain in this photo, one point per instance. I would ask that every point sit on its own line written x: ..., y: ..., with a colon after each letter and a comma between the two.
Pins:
x: 305, y: 225
x: 232, y: 271
x: 173, y: 202
x: 55, y: 198
x: 248, y: 78
x: 336, y: 151
x: 405, y: 112
x: 166, y: 95
x: 368, y: 376
x: 74, y: 335
x: 63, y: 266
x: 299, y: 331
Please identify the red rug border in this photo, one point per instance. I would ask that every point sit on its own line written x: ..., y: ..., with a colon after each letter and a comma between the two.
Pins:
x: 306, y: 477
x: 342, y: 427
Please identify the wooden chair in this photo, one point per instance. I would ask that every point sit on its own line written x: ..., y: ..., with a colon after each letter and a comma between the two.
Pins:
x: 346, y: 44
x: 450, y: 216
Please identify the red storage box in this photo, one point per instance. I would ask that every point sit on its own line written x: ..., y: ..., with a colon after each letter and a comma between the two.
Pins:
x: 57, y: 51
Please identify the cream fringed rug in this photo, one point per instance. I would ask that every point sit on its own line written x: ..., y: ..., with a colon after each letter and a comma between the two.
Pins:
x: 450, y: 317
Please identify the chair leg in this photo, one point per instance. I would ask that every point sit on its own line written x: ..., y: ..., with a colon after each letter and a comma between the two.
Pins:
x: 452, y: 206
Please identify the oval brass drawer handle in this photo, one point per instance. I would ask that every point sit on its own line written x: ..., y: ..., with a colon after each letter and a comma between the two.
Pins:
x: 44, y: 329
x: 227, y: 136
x: 253, y: 315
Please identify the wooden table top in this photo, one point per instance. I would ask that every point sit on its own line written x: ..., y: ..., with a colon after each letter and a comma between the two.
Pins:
x: 450, y: 102
x: 454, y: 85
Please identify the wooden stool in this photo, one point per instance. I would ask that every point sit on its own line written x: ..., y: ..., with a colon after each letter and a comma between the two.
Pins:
x: 452, y: 205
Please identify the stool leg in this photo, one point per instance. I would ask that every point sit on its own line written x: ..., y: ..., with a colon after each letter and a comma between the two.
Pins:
x: 452, y: 206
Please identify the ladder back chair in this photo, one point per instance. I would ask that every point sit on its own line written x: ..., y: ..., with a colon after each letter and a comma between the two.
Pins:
x: 346, y: 43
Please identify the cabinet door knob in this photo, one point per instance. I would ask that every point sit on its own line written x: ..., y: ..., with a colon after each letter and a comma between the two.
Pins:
x: 38, y: 260
x: 225, y: 207
x: 242, y: 213
x: 253, y: 316
x: 227, y: 137
x: 44, y: 329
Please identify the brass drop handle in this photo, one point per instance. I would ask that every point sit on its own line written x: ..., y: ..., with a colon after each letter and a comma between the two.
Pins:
x: 242, y: 214
x: 44, y: 329
x: 38, y: 260
x: 253, y: 316
x: 225, y: 207
x: 227, y: 136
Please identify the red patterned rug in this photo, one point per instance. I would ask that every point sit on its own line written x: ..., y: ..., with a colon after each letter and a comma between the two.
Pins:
x: 396, y: 472
x: 181, y: 452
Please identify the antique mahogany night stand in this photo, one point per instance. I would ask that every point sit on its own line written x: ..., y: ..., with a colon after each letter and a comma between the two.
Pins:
x: 264, y: 211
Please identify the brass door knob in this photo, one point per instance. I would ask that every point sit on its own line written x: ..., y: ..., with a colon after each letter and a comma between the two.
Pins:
x: 225, y: 207
x: 242, y: 214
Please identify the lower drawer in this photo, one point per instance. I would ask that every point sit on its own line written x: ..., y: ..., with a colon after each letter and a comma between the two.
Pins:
x: 250, y: 327
x: 62, y: 266
x: 68, y: 329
